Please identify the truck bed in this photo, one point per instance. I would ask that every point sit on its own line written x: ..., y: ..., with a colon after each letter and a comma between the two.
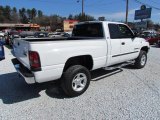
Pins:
x: 59, y: 39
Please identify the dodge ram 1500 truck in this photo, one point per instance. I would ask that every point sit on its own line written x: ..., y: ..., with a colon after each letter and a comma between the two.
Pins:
x: 93, y: 45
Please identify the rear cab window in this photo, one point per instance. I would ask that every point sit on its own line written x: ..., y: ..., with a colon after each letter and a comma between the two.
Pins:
x: 88, y: 30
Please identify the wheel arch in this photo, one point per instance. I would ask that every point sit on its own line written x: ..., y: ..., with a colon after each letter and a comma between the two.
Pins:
x: 84, y: 60
x: 145, y: 48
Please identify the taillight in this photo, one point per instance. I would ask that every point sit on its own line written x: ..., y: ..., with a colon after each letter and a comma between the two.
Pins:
x: 34, y: 61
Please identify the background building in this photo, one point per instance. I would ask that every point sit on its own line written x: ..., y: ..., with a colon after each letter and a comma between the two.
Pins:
x: 22, y: 27
x: 69, y: 24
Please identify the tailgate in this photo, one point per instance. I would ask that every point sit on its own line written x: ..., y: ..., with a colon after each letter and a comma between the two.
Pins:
x: 20, y: 51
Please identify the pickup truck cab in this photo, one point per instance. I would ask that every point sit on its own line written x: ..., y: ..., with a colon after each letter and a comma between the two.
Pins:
x: 93, y: 45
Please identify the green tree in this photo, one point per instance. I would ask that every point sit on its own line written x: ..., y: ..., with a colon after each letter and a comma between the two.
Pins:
x: 85, y: 17
x: 34, y: 13
x: 14, y: 9
x: 70, y: 17
x: 7, y: 13
x: 157, y: 26
x: 14, y: 15
x: 2, y: 18
x: 40, y: 13
x: 150, y: 24
x: 43, y: 21
x: 29, y: 13
x: 22, y: 14
x: 56, y: 22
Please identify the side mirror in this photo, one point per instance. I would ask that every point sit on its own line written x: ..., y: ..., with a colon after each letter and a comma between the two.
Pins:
x: 134, y: 35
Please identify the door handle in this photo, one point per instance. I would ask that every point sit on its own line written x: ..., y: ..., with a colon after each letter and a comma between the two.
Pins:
x: 123, y: 43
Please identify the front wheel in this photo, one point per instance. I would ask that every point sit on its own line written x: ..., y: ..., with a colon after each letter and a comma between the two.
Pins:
x: 76, y: 80
x: 140, y: 62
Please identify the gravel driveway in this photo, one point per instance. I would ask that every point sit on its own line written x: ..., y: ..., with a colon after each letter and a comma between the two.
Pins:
x: 121, y: 94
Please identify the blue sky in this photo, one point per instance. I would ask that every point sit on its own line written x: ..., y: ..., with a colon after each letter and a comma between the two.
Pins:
x: 112, y: 9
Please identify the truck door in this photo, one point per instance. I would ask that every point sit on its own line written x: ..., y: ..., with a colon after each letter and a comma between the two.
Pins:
x: 122, y: 44
x: 127, y: 44
x: 115, y: 45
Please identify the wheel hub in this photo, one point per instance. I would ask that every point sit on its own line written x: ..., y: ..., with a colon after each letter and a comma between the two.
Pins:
x: 143, y: 60
x: 79, y: 82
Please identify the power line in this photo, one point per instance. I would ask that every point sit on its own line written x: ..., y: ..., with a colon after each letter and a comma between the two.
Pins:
x: 154, y: 2
x: 101, y: 3
x: 137, y: 1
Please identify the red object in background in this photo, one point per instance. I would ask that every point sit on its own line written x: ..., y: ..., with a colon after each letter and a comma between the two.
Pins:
x: 19, y: 31
x: 152, y: 40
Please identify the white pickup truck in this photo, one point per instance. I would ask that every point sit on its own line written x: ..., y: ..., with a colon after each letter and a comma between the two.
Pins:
x: 93, y: 45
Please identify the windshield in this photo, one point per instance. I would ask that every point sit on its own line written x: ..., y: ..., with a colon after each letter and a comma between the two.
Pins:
x: 88, y: 30
x: 146, y: 34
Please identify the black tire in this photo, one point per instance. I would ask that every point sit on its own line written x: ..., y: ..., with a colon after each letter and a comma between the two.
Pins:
x: 138, y: 61
x: 68, y: 77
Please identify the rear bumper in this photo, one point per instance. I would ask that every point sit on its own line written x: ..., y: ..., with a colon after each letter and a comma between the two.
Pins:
x: 46, y: 75
x: 23, y: 71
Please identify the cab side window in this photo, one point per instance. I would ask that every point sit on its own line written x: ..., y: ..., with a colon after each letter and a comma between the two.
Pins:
x: 119, y: 31
x: 125, y: 32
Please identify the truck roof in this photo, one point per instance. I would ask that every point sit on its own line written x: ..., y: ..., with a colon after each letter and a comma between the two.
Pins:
x: 100, y: 22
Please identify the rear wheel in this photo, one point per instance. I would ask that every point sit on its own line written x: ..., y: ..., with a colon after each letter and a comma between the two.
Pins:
x: 76, y: 80
x: 140, y: 62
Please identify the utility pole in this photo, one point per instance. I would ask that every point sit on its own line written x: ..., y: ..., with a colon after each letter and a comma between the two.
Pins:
x: 82, y: 7
x: 126, y: 11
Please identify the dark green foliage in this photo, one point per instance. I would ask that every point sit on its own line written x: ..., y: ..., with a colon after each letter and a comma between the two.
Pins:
x: 81, y: 17
x: 33, y: 13
x: 12, y: 15
x: 29, y: 15
x: 70, y: 17
x: 40, y: 13
x: 23, y: 15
